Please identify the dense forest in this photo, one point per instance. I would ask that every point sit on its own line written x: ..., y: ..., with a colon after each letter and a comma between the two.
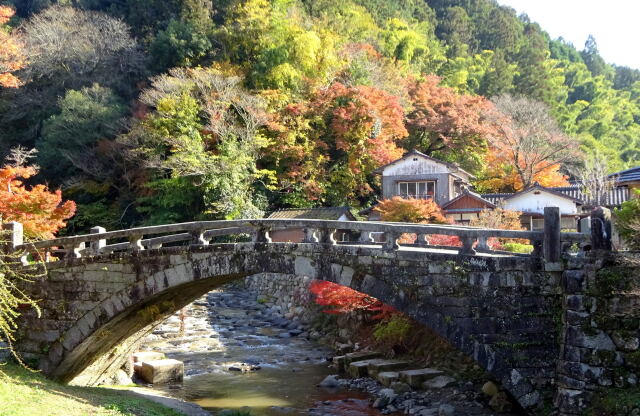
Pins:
x: 155, y: 111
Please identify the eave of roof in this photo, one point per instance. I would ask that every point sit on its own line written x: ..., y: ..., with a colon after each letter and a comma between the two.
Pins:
x: 544, y: 189
x: 473, y: 195
x: 326, y: 213
x: 415, y: 152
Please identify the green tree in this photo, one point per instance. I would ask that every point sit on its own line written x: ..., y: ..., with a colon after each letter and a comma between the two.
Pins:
x: 69, y: 137
x: 202, y: 133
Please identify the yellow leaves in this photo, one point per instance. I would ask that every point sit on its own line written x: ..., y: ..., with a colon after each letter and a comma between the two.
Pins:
x: 11, y: 56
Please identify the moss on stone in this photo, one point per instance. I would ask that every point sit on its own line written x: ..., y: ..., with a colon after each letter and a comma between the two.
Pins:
x: 633, y: 359
x: 617, y: 402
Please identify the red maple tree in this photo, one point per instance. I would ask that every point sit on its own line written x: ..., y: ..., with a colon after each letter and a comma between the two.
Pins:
x: 40, y: 211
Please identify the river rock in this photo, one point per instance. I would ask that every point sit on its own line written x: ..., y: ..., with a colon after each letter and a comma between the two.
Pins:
x: 330, y: 381
x: 490, y: 388
x: 501, y: 403
x: 446, y: 410
x: 387, y: 393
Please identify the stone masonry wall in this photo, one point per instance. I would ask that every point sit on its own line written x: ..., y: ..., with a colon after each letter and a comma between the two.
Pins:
x: 600, y: 348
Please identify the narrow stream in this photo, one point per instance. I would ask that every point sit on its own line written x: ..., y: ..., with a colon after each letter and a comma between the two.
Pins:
x: 229, y: 328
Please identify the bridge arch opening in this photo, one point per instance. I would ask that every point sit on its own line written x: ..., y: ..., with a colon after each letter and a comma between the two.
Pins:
x: 478, y: 304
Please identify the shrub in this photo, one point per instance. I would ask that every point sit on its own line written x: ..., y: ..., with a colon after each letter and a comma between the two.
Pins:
x: 627, y: 219
x: 517, y: 247
x: 393, y: 330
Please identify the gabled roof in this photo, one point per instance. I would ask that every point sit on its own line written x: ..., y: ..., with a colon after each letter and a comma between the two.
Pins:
x: 496, y: 198
x: 414, y: 152
x: 629, y: 175
x: 323, y: 213
x: 470, y: 194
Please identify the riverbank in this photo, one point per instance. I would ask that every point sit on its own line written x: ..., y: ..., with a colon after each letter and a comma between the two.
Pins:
x: 26, y: 393
x: 236, y: 328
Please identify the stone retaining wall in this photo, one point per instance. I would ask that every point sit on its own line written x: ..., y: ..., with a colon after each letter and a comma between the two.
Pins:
x: 600, y: 348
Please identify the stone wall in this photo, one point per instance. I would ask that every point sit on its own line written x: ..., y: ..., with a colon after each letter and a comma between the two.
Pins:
x: 600, y: 350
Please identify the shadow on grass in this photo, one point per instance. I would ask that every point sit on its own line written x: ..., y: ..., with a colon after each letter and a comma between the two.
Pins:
x: 26, y: 392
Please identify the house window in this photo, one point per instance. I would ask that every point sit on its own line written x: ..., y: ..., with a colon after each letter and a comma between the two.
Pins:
x: 421, y: 189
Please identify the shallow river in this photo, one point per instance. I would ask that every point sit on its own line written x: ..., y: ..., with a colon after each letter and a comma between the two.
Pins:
x: 226, y: 329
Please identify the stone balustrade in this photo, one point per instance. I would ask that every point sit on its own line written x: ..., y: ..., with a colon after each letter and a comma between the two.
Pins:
x: 548, y: 244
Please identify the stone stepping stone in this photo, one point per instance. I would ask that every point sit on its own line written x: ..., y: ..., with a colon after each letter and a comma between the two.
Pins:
x: 379, y: 365
x: 359, y: 369
x: 415, y: 378
x: 439, y: 382
x: 342, y: 361
x: 387, y: 377
x: 160, y: 371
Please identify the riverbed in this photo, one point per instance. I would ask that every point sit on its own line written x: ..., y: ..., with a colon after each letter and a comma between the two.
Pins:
x: 228, y: 330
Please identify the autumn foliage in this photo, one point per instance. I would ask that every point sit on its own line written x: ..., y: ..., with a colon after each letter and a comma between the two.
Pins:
x: 446, y: 124
x: 336, y: 139
x: 501, y: 219
x: 40, y: 211
x: 501, y: 175
x: 11, y: 56
x: 423, y: 211
x: 341, y: 299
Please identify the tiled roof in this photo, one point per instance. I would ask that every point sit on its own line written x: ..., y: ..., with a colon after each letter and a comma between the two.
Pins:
x: 615, y: 197
x: 324, y: 213
x: 629, y: 175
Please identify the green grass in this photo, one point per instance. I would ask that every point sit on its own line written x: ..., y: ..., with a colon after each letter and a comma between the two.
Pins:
x: 24, y: 393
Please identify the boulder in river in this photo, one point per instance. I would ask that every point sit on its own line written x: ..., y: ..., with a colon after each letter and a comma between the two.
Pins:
x: 330, y: 381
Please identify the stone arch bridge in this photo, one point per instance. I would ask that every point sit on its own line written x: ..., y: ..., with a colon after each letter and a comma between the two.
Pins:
x: 501, y: 309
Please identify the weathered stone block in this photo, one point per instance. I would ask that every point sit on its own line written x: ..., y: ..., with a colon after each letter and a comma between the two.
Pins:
x: 379, y: 365
x: 415, y: 378
x: 161, y: 371
x: 359, y: 368
x: 360, y: 355
x: 387, y: 377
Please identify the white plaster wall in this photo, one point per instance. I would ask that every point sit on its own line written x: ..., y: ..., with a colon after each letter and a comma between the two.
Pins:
x: 530, y: 202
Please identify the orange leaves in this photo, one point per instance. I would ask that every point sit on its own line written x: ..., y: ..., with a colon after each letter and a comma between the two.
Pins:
x: 398, y: 209
x: 502, y: 175
x: 342, y: 299
x: 444, y: 123
x: 333, y: 142
x: 40, y: 211
x: 11, y: 56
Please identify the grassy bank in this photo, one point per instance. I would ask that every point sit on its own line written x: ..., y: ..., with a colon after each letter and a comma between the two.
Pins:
x: 23, y: 393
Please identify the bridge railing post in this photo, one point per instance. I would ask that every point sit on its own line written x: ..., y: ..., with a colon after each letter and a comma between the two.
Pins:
x: 135, y: 242
x: 328, y: 236
x: 310, y: 235
x: 97, y: 246
x: 14, y: 235
x: 422, y: 239
x: 261, y: 235
x: 366, y: 237
x: 198, y: 238
x: 551, y: 246
x: 467, y: 245
x: 391, y: 241
x: 483, y: 243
